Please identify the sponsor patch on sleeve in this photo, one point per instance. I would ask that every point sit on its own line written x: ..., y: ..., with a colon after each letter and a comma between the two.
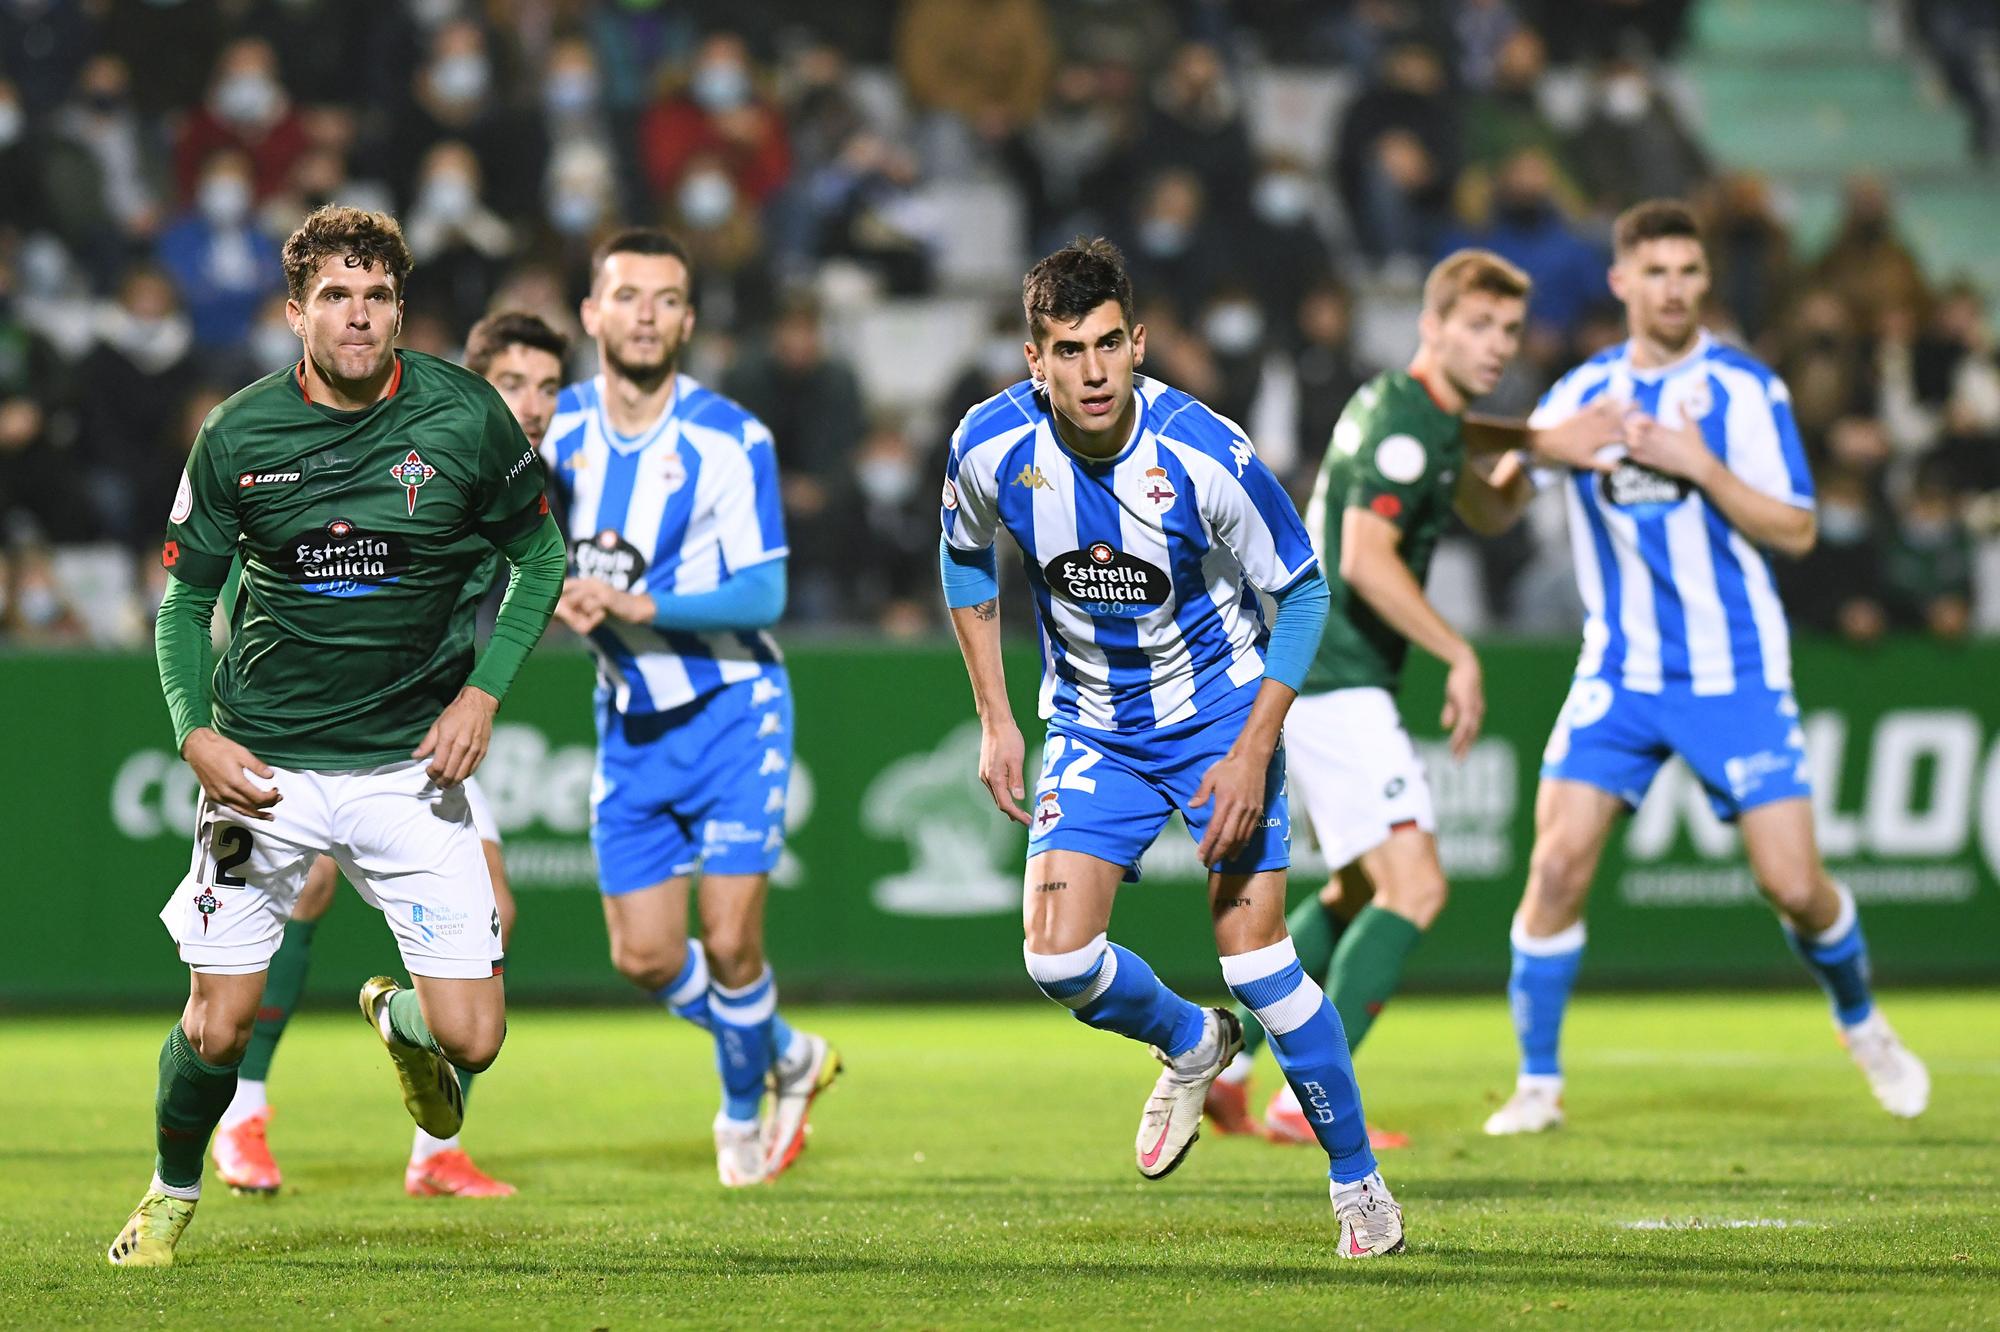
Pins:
x: 183, y: 501
x: 1401, y: 458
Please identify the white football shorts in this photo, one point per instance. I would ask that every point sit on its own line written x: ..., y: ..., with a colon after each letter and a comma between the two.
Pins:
x: 1352, y: 769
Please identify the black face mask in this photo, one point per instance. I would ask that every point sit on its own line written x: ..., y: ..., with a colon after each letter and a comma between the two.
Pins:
x: 104, y: 104
x: 1522, y: 213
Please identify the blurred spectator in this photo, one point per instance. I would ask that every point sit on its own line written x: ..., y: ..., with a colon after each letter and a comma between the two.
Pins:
x: 868, y: 212
x: 454, y: 96
x: 735, y: 291
x: 43, y: 43
x: 1176, y: 253
x: 1281, y: 249
x: 461, y: 244
x: 1868, y: 265
x: 1195, y: 121
x: 222, y: 264
x: 634, y: 40
x: 1397, y: 155
x: 1326, y: 371
x: 247, y: 111
x: 1633, y: 146
x: 883, y: 530
x: 37, y: 484
x: 1750, y: 257
x: 1837, y: 587
x: 1963, y: 36
x: 985, y: 62
x: 1075, y: 154
x: 1927, y: 572
x: 37, y: 614
x: 100, y: 172
x: 997, y: 364
x: 1483, y: 28
x: 1821, y: 362
x: 581, y: 203
x: 134, y: 382
x: 1175, y: 353
x: 1597, y: 29
x: 21, y: 206
x: 1232, y: 325
x: 170, y: 48
x: 720, y: 120
x: 1507, y: 117
x: 1526, y: 225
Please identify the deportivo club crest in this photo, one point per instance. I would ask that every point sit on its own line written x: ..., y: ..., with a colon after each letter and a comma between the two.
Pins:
x: 1157, y: 490
x: 410, y: 474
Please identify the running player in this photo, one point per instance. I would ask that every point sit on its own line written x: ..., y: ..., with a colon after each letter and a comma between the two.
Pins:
x: 678, y: 549
x: 1398, y: 468
x: 1145, y: 521
x: 522, y: 357
x: 1685, y: 651
x: 362, y: 487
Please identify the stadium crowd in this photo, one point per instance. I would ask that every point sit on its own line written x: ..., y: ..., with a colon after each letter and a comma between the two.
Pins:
x: 860, y: 187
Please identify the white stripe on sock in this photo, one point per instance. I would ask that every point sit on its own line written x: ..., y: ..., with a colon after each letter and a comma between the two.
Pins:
x: 191, y: 1193
x: 1842, y: 923
x: 1054, y: 968
x: 690, y: 989
x: 1242, y: 968
x: 1555, y: 945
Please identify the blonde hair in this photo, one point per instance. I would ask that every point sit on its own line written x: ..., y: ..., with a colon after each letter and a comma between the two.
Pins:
x: 1472, y: 270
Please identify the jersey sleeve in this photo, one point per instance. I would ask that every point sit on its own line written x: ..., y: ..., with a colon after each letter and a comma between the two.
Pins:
x: 202, y: 525
x: 1394, y: 470
x: 970, y: 512
x: 1764, y: 445
x: 1250, y: 513
x: 509, y: 498
x: 750, y: 509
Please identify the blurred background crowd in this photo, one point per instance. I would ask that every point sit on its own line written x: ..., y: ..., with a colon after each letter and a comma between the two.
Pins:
x: 861, y: 186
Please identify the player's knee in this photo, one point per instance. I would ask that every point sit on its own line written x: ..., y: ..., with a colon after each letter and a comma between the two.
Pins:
x: 1557, y: 874
x: 474, y: 1044
x: 650, y: 964
x: 219, y: 1035
x: 1792, y: 891
x: 735, y: 954
x: 1419, y: 898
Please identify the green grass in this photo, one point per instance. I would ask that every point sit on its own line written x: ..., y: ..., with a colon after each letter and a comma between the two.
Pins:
x: 974, y: 1169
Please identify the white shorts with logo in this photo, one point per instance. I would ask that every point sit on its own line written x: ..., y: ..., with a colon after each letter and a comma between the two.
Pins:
x: 409, y: 846
x: 482, y: 813
x: 1354, y: 772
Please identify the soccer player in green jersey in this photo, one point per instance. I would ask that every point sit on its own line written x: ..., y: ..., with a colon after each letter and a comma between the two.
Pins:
x: 522, y: 357
x: 1403, y: 460
x: 362, y: 488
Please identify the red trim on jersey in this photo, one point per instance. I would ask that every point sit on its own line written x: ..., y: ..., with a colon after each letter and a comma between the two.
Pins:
x: 1432, y: 393
x: 395, y: 380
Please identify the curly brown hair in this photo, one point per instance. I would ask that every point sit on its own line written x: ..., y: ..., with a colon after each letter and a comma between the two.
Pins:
x: 361, y: 237
x: 1073, y: 281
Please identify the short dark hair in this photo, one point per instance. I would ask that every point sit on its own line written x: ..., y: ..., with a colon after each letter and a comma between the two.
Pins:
x: 1075, y: 280
x: 1655, y: 219
x: 637, y: 240
x: 361, y: 237
x: 510, y: 328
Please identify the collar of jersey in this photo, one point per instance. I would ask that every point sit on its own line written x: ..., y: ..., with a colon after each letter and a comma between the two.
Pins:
x: 346, y: 414
x: 1138, y: 432
x: 623, y: 444
x: 1703, y: 342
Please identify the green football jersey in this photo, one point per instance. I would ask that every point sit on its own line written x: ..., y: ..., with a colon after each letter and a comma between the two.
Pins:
x: 359, y: 534
x: 1396, y: 453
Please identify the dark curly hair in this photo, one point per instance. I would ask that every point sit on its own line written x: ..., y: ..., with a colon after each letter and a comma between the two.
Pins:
x: 510, y: 328
x: 361, y: 237
x: 1073, y: 281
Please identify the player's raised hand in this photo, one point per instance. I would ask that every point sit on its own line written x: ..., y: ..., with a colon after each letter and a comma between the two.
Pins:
x: 1001, y: 752
x: 1676, y: 450
x: 1582, y: 441
x: 224, y: 769
x: 1236, y: 783
x: 1464, y: 704
x: 456, y: 743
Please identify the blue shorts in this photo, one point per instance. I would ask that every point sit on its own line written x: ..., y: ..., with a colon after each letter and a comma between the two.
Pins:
x: 1747, y: 747
x: 1108, y: 793
x: 696, y: 787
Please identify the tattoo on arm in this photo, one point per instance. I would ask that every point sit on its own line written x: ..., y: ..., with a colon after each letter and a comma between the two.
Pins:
x: 987, y: 610
x: 1234, y: 902
x: 1055, y: 887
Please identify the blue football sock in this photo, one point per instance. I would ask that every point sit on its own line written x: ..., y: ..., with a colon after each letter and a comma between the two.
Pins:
x: 1838, y: 958
x: 1538, y: 992
x: 687, y: 993
x: 1311, y: 1048
x: 741, y: 1021
x: 1112, y: 989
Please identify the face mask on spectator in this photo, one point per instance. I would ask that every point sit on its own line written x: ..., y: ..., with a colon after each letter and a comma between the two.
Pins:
x: 571, y: 92
x: 1626, y: 98
x: 1002, y: 358
x: 10, y: 124
x: 224, y: 200
x: 1282, y: 198
x: 246, y: 99
x: 39, y: 605
x: 886, y: 480
x: 449, y: 196
x: 1522, y: 212
x: 1842, y: 524
x: 707, y: 198
x: 573, y: 212
x: 460, y: 78
x: 104, y: 103
x: 152, y: 344
x: 720, y: 86
x: 1925, y: 533
x: 1163, y: 238
x: 1233, y: 327
x: 273, y: 345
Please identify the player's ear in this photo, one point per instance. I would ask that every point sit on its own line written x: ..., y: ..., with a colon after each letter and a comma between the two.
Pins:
x: 1616, y: 278
x: 1138, y: 345
x: 587, y: 312
x: 1034, y: 355
x: 295, y: 317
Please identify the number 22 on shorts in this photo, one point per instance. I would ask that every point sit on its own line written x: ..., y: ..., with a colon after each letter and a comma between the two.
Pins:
x: 1072, y: 778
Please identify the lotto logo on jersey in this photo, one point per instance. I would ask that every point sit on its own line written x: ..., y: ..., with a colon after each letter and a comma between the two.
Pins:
x: 609, y: 558
x: 249, y: 479
x: 1103, y: 577
x: 1157, y: 490
x: 411, y: 474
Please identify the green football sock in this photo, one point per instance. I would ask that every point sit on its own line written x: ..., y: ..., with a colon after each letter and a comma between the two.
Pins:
x: 406, y: 1022
x: 283, y: 985
x: 186, y: 1109
x: 1315, y: 931
x: 1368, y: 966
x: 464, y: 1081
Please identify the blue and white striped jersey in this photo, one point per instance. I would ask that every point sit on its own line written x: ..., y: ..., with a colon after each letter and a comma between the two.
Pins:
x: 1672, y: 593
x: 1142, y: 566
x: 676, y: 509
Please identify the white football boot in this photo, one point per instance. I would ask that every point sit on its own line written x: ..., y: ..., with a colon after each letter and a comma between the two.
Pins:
x: 739, y: 1153
x: 1371, y: 1224
x: 1898, y: 1078
x: 795, y: 1084
x: 1172, y: 1119
x: 1535, y: 1107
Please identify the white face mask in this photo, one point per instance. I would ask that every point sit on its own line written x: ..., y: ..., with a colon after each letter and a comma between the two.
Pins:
x: 720, y: 86
x: 224, y: 200
x: 1843, y: 524
x: 886, y: 480
x: 40, y: 606
x: 1626, y: 98
x: 571, y: 92
x: 575, y: 212
x: 247, y: 99
x: 1233, y: 327
x: 449, y: 195
x: 707, y: 198
x: 10, y: 124
x: 461, y: 78
x: 274, y: 345
x: 1282, y: 198
x: 1163, y: 238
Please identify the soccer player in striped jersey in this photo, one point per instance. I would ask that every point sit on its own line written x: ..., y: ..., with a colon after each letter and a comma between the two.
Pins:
x: 1685, y: 651
x: 677, y: 556
x: 1148, y: 526
x: 522, y: 357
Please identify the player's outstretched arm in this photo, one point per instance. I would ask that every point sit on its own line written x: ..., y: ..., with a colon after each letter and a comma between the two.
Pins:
x: 1492, y: 492
x: 181, y: 647
x: 1372, y: 566
x: 1576, y: 442
x: 972, y: 591
x: 1763, y: 519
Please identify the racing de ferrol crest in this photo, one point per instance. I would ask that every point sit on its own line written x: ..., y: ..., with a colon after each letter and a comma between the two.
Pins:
x: 410, y: 474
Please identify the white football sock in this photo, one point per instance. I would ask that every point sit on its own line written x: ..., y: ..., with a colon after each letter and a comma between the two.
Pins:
x: 248, y: 1101
x: 425, y: 1146
x: 189, y: 1194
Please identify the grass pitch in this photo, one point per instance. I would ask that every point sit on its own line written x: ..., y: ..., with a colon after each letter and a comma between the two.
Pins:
x: 1723, y: 1166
